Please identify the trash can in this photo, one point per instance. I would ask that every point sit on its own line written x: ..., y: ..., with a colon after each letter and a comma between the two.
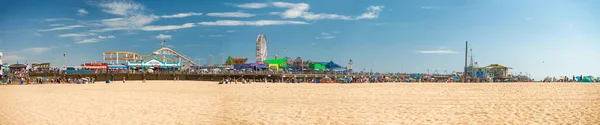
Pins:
x: 107, y: 81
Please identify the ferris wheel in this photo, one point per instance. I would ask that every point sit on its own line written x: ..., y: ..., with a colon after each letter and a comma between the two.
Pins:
x: 261, y: 48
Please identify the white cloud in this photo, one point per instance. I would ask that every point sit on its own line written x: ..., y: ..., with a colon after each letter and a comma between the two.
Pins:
x: 253, y: 5
x: 181, y: 15
x: 168, y: 27
x: 76, y: 34
x: 37, y: 50
x: 81, y: 12
x: 12, y: 57
x: 231, y: 14
x: 274, y: 13
x: 37, y: 34
x: 437, y: 52
x: 132, y: 22
x: 300, y: 10
x: 163, y: 37
x: 327, y: 35
x: 429, y: 7
x: 133, y: 16
x: 63, y: 28
x: 372, y: 12
x: 295, y: 9
x: 56, y: 25
x: 230, y: 31
x: 92, y: 40
x: 106, y: 37
x: 250, y: 23
x: 108, y: 29
x: 311, y: 16
x: 57, y: 19
x: 216, y: 35
x: 122, y: 8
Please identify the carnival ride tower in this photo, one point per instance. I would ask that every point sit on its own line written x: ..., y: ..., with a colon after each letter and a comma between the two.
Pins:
x: 261, y: 48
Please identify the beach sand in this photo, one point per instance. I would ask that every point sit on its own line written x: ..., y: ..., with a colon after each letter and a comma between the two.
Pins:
x: 195, y: 102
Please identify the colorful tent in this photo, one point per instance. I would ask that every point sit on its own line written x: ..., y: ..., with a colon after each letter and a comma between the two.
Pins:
x: 332, y: 65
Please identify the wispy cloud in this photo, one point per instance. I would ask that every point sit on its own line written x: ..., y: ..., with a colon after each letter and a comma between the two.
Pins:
x: 274, y: 13
x: 231, y: 14
x: 320, y: 16
x: 230, y: 31
x: 168, y: 27
x: 56, y: 25
x: 300, y: 10
x: 106, y: 37
x: 163, y: 37
x: 82, y: 12
x: 92, y: 40
x: 122, y: 8
x: 109, y: 29
x: 57, y: 19
x: 295, y: 10
x: 133, y: 22
x: 37, y: 50
x: 253, y: 5
x: 181, y: 15
x: 37, y: 34
x: 250, y: 23
x: 372, y: 12
x: 76, y: 34
x: 437, y: 52
x: 216, y: 35
x: 63, y: 28
x: 133, y: 17
x: 12, y: 57
x: 327, y: 35
x: 430, y: 7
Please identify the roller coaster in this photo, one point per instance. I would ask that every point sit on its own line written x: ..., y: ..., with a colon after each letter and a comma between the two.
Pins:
x: 164, y: 53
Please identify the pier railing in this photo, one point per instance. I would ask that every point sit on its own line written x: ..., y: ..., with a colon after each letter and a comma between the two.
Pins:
x: 232, y: 72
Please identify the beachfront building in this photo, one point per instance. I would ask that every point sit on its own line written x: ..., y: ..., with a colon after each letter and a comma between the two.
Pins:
x: 40, y: 66
x: 277, y: 64
x: 153, y: 63
x: 297, y: 65
x: 498, y: 72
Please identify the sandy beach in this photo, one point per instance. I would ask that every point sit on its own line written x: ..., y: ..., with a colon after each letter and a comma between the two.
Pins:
x: 194, y: 102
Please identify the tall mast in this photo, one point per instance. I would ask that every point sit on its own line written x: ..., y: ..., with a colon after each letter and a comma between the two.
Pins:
x: 471, y: 57
x: 466, y: 56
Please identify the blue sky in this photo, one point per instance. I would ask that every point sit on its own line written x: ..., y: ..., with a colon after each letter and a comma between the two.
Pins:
x: 541, y: 37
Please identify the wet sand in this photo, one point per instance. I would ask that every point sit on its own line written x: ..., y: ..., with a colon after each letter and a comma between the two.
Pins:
x: 193, y: 102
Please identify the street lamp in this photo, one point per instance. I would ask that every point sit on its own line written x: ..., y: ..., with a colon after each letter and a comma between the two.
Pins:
x: 65, y: 60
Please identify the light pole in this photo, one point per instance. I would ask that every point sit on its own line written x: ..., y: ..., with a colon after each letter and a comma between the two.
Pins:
x: 65, y: 60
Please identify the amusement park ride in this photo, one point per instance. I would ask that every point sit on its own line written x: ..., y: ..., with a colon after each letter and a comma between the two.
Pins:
x: 165, y: 54
x: 261, y: 48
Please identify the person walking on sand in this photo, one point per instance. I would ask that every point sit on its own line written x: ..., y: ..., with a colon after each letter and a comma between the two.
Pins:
x: 123, y: 79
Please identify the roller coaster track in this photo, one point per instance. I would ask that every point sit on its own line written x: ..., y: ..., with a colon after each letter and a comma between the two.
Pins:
x: 162, y: 50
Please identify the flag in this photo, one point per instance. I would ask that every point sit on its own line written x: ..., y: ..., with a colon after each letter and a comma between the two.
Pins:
x: 163, y: 43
